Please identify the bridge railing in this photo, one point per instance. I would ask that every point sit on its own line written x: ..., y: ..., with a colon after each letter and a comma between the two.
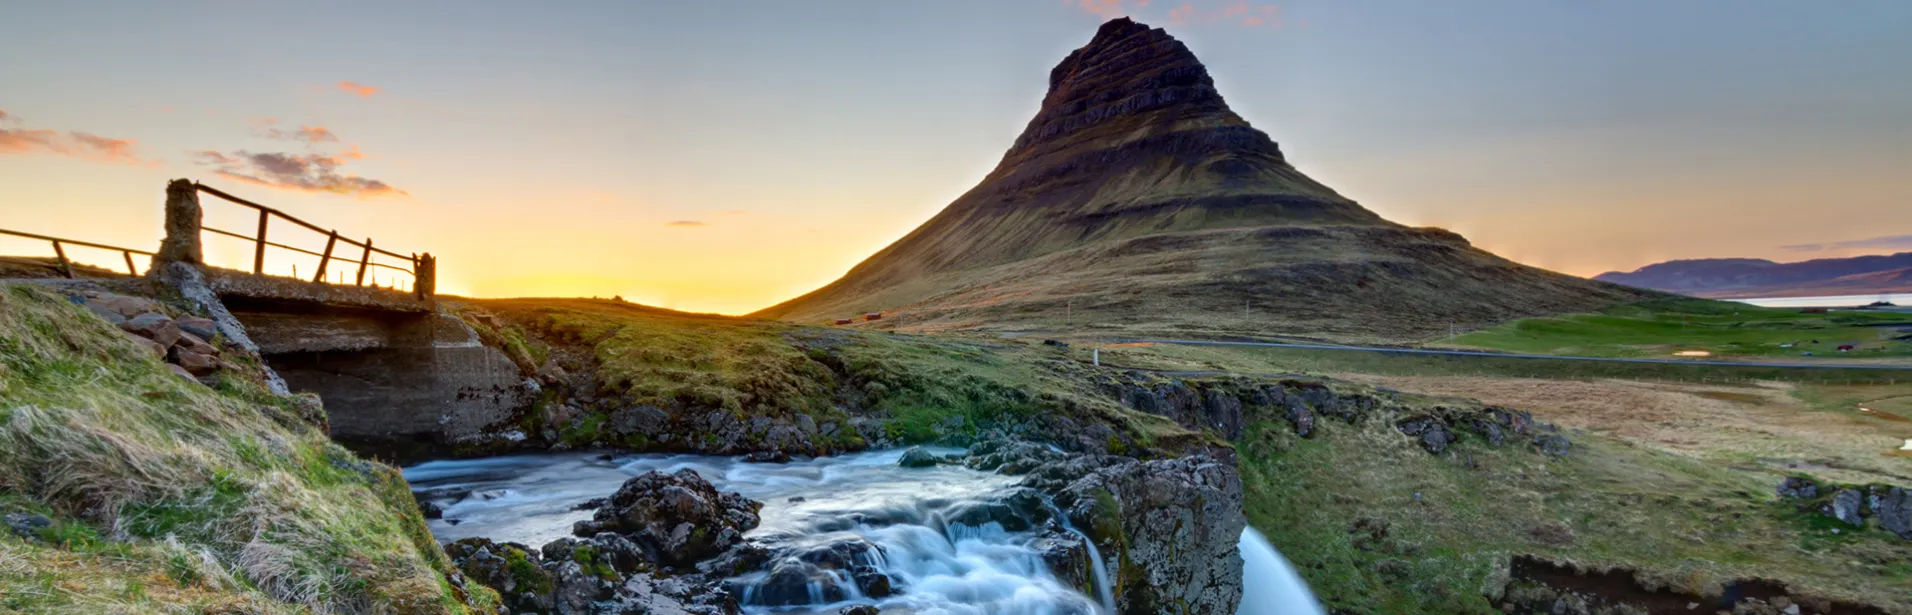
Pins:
x: 65, y: 265
x: 184, y: 215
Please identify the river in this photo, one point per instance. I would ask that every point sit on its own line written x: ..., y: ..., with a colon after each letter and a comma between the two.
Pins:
x: 941, y: 567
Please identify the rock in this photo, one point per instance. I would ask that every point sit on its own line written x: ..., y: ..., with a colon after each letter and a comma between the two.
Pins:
x: 120, y: 308
x: 916, y: 457
x: 181, y: 372
x: 861, y: 609
x: 575, y: 590
x: 1170, y: 529
x: 767, y: 457
x: 676, y: 519
x: 28, y: 525
x: 1798, y: 487
x: 1893, y: 507
x: 1433, y: 434
x: 1010, y: 456
x: 1845, y: 506
x: 428, y: 508
x: 511, y: 569
x: 648, y: 595
x: 188, y: 341
x: 193, y: 362
x: 156, y: 327
x: 203, y: 328
x: 151, y: 346
x: 1300, y: 417
x: 592, y: 504
x: 1557, y: 446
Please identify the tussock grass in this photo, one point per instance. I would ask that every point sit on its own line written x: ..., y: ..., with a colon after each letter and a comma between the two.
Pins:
x: 171, y: 496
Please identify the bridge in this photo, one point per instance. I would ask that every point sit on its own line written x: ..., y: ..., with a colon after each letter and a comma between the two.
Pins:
x: 387, y: 361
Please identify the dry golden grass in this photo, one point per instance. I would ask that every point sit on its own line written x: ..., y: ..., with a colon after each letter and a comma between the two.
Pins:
x: 1764, y: 426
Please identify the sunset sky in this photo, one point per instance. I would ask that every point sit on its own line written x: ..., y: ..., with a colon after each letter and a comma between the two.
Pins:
x: 724, y: 156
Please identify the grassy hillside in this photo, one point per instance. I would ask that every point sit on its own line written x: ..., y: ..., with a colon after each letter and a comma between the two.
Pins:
x: 171, y: 496
x: 917, y: 388
x: 1376, y: 525
x: 1659, y: 329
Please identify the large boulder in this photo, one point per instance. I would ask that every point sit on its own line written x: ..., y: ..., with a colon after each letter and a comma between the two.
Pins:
x: 511, y: 569
x: 1893, y: 507
x: 675, y: 519
x: 1170, y: 531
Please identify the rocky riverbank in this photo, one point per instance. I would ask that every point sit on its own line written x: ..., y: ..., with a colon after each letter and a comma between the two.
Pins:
x: 1071, y: 530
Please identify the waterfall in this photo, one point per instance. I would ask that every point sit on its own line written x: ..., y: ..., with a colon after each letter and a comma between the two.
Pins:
x: 1103, y: 589
x: 1269, y: 585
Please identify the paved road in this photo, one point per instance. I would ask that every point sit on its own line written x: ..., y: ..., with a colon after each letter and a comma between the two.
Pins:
x: 1508, y: 355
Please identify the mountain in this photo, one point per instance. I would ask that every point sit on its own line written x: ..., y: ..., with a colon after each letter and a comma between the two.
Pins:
x: 1136, y: 200
x: 1753, y: 277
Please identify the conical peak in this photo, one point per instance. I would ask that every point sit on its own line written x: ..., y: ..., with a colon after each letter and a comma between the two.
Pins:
x: 1131, y: 72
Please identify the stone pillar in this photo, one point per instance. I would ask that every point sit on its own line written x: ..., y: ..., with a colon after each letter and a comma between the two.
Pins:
x: 183, y: 215
x: 425, y: 279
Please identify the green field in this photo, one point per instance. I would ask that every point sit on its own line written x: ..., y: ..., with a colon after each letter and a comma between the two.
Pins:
x: 1660, y: 329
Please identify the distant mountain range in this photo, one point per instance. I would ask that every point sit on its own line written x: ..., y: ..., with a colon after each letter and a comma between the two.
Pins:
x: 1733, y: 278
x: 1137, y: 201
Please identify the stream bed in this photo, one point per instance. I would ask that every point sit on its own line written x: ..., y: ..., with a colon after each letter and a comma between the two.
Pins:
x: 942, y: 567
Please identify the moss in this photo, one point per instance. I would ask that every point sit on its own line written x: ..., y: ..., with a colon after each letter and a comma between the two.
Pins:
x: 525, y: 573
x: 219, y: 503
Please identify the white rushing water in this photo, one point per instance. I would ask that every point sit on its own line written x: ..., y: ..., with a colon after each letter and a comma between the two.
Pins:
x: 937, y: 566
x: 1269, y: 585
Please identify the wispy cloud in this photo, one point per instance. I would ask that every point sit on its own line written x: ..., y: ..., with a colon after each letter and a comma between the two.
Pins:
x: 358, y: 89
x: 686, y: 223
x: 1888, y: 242
x: 82, y: 145
x: 299, y: 172
x: 1236, y: 12
x: 1240, y: 13
x: 307, y: 134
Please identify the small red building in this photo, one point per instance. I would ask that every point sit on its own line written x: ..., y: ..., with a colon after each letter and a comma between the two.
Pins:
x: 1845, y: 348
x: 844, y: 321
x: 873, y: 316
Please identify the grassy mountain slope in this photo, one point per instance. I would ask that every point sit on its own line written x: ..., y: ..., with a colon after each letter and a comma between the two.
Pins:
x: 171, y: 496
x: 1135, y: 199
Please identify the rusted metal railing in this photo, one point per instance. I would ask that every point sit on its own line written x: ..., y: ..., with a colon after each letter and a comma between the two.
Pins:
x: 65, y: 266
x: 421, y: 267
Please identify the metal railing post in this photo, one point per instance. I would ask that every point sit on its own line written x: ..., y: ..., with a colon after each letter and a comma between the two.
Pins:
x: 326, y: 259
x: 259, y: 253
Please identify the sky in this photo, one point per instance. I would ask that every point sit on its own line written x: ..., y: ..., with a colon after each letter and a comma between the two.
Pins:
x: 725, y: 156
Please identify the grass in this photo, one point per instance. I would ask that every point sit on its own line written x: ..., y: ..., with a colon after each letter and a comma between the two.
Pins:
x: 1377, y: 525
x: 1327, y: 362
x: 170, y: 495
x: 1658, y: 329
x: 922, y: 388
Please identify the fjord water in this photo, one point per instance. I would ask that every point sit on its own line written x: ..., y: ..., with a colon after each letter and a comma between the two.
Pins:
x: 940, y: 567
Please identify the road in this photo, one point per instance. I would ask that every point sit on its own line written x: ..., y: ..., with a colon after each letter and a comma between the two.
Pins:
x: 1507, y: 355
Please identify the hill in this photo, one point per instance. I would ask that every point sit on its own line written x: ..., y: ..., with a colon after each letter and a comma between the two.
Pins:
x: 1752, y: 277
x: 1136, y: 200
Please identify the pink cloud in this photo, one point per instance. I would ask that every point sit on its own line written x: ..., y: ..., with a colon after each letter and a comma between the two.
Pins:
x: 1237, y: 12
x: 298, y: 172
x: 82, y: 145
x: 358, y: 89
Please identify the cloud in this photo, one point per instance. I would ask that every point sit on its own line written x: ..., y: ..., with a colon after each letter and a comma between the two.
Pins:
x: 1237, y: 12
x: 358, y: 89
x: 82, y: 145
x: 299, y: 172
x: 1888, y: 242
x: 1106, y: 9
x: 308, y: 134
x: 687, y: 223
x: 3, y: 115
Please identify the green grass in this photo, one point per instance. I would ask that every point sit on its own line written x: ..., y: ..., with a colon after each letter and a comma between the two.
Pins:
x: 172, y: 496
x: 1323, y: 362
x: 1658, y: 329
x: 1454, y: 521
x: 923, y: 387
